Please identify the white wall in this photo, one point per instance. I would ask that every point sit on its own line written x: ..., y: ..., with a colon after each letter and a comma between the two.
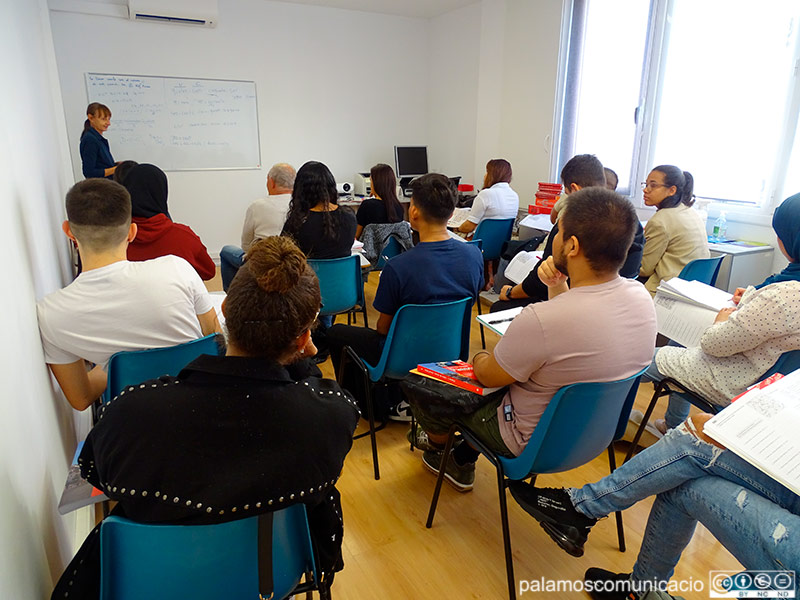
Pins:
x: 338, y: 86
x: 452, y: 81
x: 37, y: 434
x: 492, y: 89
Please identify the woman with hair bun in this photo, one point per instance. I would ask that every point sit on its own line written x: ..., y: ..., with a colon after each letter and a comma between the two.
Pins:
x: 675, y: 235
x: 96, y: 156
x: 232, y: 436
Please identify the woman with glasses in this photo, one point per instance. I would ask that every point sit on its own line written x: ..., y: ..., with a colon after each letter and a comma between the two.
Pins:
x: 676, y: 234
x: 232, y: 436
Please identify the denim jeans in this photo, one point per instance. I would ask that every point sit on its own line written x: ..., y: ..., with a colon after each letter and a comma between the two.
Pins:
x: 231, y: 258
x: 678, y: 408
x: 758, y: 532
x: 667, y: 469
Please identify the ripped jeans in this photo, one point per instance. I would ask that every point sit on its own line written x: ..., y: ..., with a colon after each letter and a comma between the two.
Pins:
x: 756, y: 518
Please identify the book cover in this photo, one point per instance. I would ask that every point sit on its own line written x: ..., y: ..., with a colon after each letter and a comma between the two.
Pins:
x: 77, y: 491
x: 455, y: 372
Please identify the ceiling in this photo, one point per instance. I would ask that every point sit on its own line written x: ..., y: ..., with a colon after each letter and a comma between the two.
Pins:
x: 405, y: 8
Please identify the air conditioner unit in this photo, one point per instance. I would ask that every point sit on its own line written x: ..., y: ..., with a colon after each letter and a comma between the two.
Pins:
x: 184, y: 12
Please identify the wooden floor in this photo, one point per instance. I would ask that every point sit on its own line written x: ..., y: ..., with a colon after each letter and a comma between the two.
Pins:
x: 389, y: 554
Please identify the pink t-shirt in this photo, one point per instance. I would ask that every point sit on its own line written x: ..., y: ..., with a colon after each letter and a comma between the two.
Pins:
x: 593, y: 333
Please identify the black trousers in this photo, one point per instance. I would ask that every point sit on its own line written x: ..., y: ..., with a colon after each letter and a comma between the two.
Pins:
x: 368, y: 345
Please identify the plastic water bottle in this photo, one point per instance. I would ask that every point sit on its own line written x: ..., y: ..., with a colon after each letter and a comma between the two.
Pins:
x: 720, y: 230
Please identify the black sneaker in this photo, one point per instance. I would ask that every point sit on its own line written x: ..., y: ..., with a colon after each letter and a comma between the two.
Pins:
x: 553, y: 509
x: 400, y: 412
x: 605, y: 585
x: 460, y: 477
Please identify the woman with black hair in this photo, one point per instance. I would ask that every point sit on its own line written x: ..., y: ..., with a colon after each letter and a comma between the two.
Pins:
x: 676, y: 234
x: 321, y: 228
x: 383, y: 207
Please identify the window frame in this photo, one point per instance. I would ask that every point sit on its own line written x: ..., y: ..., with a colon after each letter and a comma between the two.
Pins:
x: 573, y: 25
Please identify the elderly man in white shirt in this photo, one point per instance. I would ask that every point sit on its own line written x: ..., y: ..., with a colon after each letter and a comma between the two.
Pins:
x: 265, y: 217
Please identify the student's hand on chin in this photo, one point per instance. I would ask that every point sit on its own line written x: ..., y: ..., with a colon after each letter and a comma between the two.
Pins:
x: 549, y: 275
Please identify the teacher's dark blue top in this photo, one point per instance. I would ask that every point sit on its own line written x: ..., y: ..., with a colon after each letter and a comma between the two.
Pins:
x: 95, y: 155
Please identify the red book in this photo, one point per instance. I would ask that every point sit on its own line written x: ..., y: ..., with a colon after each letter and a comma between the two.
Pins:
x: 457, y: 373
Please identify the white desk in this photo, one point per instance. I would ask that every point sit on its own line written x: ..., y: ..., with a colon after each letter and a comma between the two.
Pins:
x: 744, y: 264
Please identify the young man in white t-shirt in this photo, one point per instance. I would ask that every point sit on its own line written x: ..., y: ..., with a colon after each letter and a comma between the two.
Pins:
x: 600, y: 328
x: 114, y: 304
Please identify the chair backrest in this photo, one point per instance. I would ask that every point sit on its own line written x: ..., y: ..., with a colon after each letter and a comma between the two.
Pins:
x: 422, y: 333
x: 492, y: 233
x: 340, y: 283
x: 704, y: 270
x: 390, y: 250
x: 788, y: 362
x: 129, y: 368
x: 202, y: 562
x: 579, y: 423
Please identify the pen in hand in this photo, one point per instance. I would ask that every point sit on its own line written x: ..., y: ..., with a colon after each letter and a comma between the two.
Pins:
x: 500, y: 321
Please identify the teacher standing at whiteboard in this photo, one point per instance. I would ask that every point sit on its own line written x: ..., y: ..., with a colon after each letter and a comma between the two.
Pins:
x: 95, y: 154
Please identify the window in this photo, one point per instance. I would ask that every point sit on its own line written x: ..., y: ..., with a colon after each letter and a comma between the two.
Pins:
x: 710, y: 86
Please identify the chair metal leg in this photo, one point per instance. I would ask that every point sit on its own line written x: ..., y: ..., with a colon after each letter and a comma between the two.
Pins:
x: 661, y: 389
x: 349, y: 353
x: 435, y: 500
x: 612, y: 465
x: 480, y: 312
x: 501, y: 489
x: 364, y: 312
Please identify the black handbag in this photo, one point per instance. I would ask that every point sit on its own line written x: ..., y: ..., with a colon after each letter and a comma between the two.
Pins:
x: 439, y: 399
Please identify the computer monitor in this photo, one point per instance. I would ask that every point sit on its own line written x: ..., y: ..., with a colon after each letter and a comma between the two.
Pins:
x: 411, y: 161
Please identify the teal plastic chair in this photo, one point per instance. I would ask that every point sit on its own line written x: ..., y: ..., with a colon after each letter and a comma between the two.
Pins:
x: 704, y: 270
x: 786, y: 363
x: 581, y: 421
x: 131, y: 368
x: 341, y: 286
x: 493, y: 233
x: 390, y: 250
x: 419, y: 333
x: 267, y: 554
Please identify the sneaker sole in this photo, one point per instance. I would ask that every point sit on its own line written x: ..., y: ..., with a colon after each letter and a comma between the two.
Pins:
x: 459, y: 487
x: 559, y: 537
x: 400, y: 419
x: 562, y: 540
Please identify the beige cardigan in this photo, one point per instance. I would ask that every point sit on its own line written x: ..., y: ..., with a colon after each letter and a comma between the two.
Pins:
x: 672, y: 238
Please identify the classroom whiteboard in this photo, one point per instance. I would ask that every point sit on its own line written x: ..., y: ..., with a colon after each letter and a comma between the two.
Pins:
x: 179, y: 123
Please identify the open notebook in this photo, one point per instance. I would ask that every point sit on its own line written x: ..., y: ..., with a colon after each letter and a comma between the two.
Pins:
x: 685, y: 309
x: 761, y: 427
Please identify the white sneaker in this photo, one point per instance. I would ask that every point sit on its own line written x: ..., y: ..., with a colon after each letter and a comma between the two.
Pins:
x: 400, y: 412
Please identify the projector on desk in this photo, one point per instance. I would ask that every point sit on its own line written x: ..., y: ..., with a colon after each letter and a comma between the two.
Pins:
x: 345, y: 188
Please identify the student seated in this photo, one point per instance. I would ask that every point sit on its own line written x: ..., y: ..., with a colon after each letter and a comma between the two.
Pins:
x: 786, y: 223
x: 247, y: 433
x: 383, y: 207
x: 675, y: 235
x: 580, y: 171
x: 114, y: 304
x: 319, y: 226
x: 439, y: 269
x: 735, y: 352
x: 602, y: 328
x: 496, y: 200
x: 157, y: 235
x: 694, y: 480
x: 264, y: 217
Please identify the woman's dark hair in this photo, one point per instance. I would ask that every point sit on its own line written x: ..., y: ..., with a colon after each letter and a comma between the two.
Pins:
x: 94, y: 109
x: 683, y: 182
x: 498, y: 170
x: 384, y: 184
x: 272, y: 300
x: 123, y: 169
x: 313, y: 184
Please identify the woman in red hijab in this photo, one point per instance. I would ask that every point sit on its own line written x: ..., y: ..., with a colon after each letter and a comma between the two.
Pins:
x: 157, y: 234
